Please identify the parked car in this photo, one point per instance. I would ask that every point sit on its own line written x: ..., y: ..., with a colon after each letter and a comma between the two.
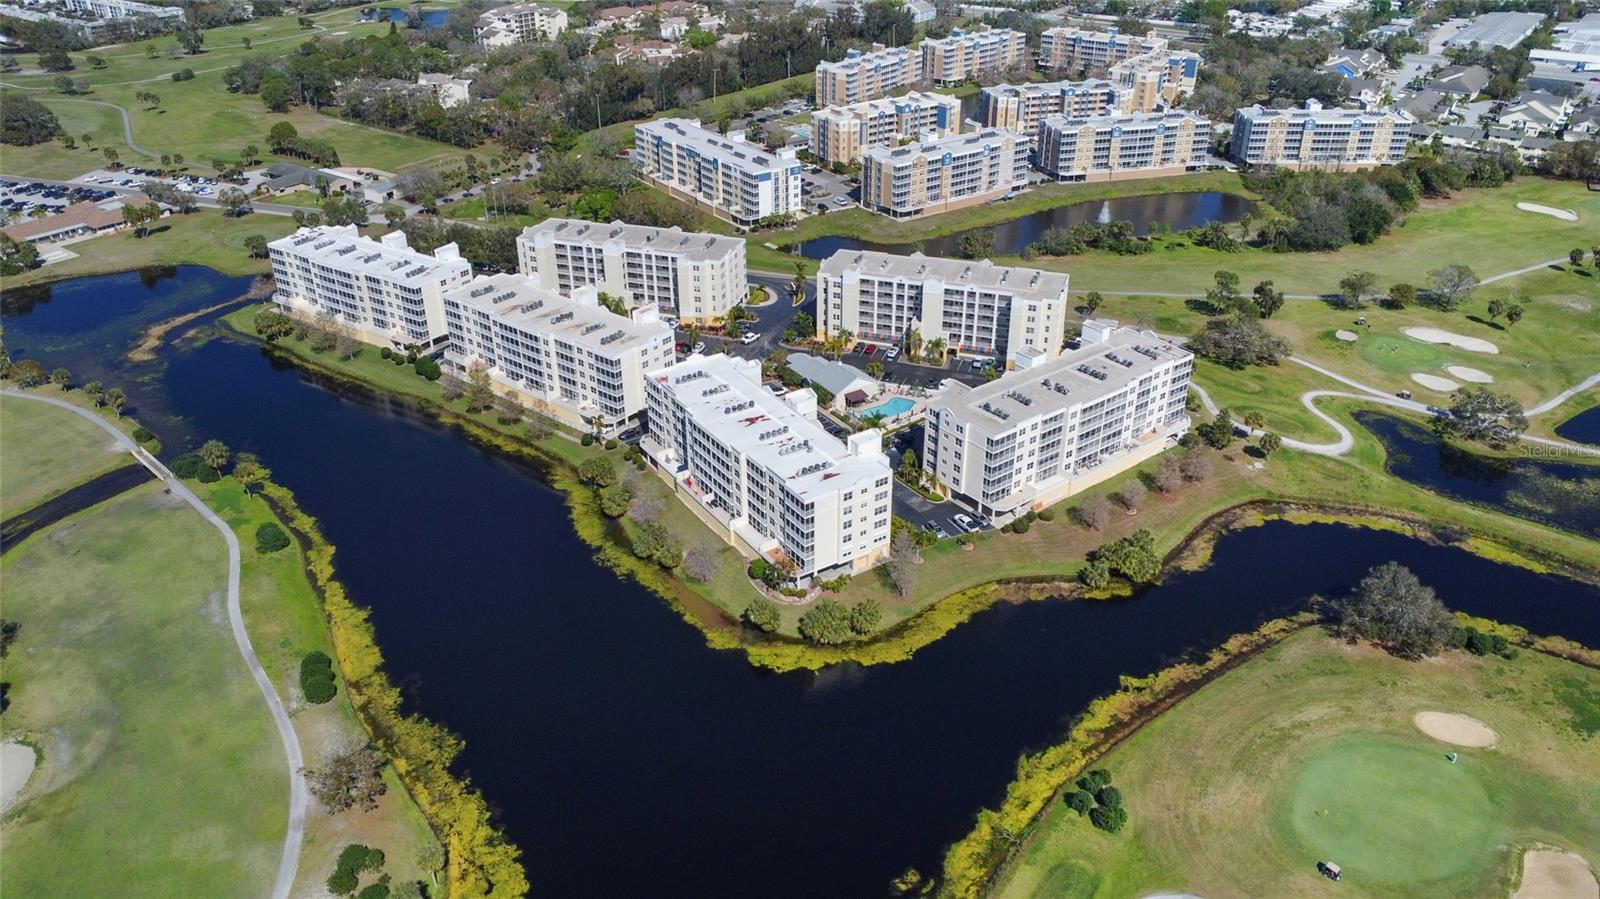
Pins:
x: 683, y: 347
x: 964, y: 522
x: 859, y: 348
x: 869, y: 350
x: 841, y: 201
x: 892, y: 353
x: 700, y: 346
x: 938, y: 530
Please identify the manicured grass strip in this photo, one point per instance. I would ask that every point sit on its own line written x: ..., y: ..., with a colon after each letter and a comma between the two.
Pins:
x: 202, y: 238
x: 44, y: 452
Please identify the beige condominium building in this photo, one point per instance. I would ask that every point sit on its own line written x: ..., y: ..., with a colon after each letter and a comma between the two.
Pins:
x: 1079, y: 49
x: 868, y: 75
x: 564, y: 355
x: 1106, y: 148
x: 962, y: 55
x: 519, y: 23
x: 733, y: 178
x: 764, y: 473
x: 379, y: 291
x: 842, y: 133
x: 1318, y: 137
x: 1039, y: 434
x: 1021, y: 107
x: 935, y: 176
x: 688, y: 274
x: 1156, y: 80
x: 975, y: 306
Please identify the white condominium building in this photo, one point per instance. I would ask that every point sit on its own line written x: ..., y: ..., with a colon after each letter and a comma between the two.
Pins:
x: 1037, y: 435
x: 962, y: 55
x: 841, y: 133
x: 765, y: 472
x: 1107, y: 148
x: 940, y: 175
x: 448, y: 90
x: 1316, y: 137
x: 734, y: 179
x: 1020, y: 107
x: 1156, y: 80
x: 692, y: 275
x: 1075, y: 49
x: 975, y: 306
x: 860, y: 76
x: 570, y: 358
x: 520, y: 23
x: 380, y: 291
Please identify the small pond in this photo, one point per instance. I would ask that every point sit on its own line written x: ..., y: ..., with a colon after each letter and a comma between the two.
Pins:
x: 1582, y: 428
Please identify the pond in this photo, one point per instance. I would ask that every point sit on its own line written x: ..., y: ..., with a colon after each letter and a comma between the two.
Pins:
x: 621, y: 754
x: 1177, y: 211
x: 1582, y: 428
x: 1564, y: 495
x: 431, y: 18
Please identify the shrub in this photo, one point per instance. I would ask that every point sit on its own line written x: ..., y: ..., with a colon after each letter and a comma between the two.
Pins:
x: 1096, y: 575
x: 317, y: 683
x: 1094, y: 781
x: 142, y: 434
x: 1020, y: 526
x: 611, y: 443
x: 827, y: 622
x: 207, y: 474
x: 1110, y: 797
x: 186, y: 466
x: 587, y: 440
x: 1108, y: 818
x: 353, y: 860
x: 269, y: 537
x: 866, y: 615
x: 374, y: 891
x: 1047, y: 514
x: 762, y: 613
x: 1080, y: 801
x: 427, y: 367
x: 386, y: 353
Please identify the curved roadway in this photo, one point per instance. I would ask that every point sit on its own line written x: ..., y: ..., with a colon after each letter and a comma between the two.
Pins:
x: 299, y: 794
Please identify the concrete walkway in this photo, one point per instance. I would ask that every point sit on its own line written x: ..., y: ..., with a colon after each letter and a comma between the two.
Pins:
x: 127, y: 123
x: 299, y: 794
x: 1368, y: 393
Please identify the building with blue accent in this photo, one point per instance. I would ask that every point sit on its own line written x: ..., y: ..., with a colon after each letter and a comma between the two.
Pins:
x: 1107, y: 148
x: 843, y: 133
x: 860, y: 76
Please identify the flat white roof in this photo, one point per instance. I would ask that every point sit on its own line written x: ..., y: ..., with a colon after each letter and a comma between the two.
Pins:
x: 1026, y: 283
x: 693, y: 244
x: 720, y: 394
x: 1498, y: 29
x: 957, y: 144
x: 888, y: 105
x: 343, y: 247
x: 857, y: 59
x: 1054, y: 88
x: 520, y: 301
x: 733, y: 149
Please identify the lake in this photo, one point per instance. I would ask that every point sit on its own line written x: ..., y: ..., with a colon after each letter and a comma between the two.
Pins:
x: 1582, y: 428
x: 621, y: 754
x: 1177, y: 212
x: 431, y: 18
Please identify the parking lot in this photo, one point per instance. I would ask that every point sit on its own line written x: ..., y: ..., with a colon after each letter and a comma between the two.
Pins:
x: 21, y: 200
x: 133, y: 178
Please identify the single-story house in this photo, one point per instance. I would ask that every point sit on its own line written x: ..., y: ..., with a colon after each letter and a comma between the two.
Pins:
x: 78, y: 220
x: 1461, y: 81
x: 835, y: 377
x: 1366, y: 91
x: 1425, y: 104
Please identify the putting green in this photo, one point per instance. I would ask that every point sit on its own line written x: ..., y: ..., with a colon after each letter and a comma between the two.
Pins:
x: 1394, y: 352
x: 1390, y: 811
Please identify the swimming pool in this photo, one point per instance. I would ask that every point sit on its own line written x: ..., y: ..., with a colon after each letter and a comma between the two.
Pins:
x: 889, y: 408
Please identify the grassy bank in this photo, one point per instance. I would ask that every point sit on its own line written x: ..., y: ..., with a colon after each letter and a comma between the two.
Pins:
x: 201, y: 238
x: 1308, y: 752
x: 47, y: 452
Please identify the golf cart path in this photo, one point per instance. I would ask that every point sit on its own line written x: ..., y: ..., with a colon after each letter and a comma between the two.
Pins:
x: 299, y: 795
x: 1368, y: 393
x: 127, y: 129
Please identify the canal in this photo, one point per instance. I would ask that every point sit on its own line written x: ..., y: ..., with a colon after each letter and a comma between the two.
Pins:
x: 621, y: 754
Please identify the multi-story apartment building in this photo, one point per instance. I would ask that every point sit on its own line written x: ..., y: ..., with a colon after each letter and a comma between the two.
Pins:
x: 1079, y: 49
x: 860, y: 76
x: 762, y: 470
x: 1037, y: 435
x: 97, y: 19
x: 448, y: 90
x: 380, y: 291
x: 692, y: 275
x: 1107, y: 148
x: 731, y: 177
x: 1315, y: 137
x: 566, y: 356
x: 975, y: 306
x: 842, y: 133
x: 1021, y: 107
x: 962, y: 55
x: 944, y: 174
x: 1156, y: 80
x: 520, y: 23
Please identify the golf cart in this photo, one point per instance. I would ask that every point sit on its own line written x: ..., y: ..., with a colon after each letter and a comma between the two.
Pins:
x: 1329, y: 870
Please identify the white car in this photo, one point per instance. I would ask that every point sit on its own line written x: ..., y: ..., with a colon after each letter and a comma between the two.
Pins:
x: 892, y: 353
x: 964, y: 522
x: 749, y: 337
x: 699, y: 347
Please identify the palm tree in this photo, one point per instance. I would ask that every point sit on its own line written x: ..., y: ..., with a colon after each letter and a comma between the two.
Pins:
x: 116, y: 399
x: 936, y: 348
x: 875, y: 369
x: 872, y: 419
x: 914, y: 344
x: 214, y: 453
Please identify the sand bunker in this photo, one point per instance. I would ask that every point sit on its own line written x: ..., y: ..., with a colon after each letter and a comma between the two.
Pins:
x: 1434, y: 335
x: 1553, y: 874
x: 1566, y: 215
x: 1470, y: 375
x: 1346, y: 336
x: 1462, y: 730
x: 16, y: 766
x: 1434, y: 382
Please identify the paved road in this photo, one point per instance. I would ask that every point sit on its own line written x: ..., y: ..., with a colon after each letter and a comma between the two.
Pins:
x: 299, y: 794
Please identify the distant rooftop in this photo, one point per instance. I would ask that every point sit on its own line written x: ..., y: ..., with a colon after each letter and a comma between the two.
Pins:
x: 693, y: 244
x: 1028, y: 283
x: 579, y: 319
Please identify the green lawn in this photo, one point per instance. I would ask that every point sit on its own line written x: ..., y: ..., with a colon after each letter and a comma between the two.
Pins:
x: 161, y: 772
x: 202, y: 238
x: 1309, y: 753
x: 45, y: 451
x: 199, y: 118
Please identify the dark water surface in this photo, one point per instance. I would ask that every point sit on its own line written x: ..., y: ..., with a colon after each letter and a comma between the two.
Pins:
x: 625, y: 757
x: 1582, y: 428
x: 1565, y: 495
x: 1177, y: 211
